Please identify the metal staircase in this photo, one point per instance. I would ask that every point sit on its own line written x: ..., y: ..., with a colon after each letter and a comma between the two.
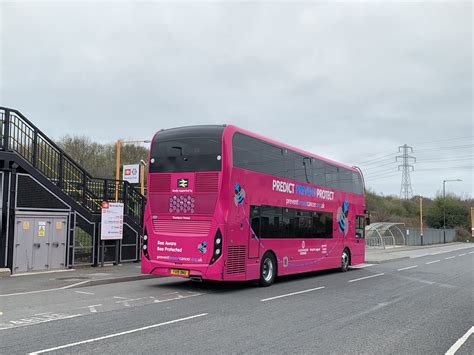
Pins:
x: 19, y: 135
x: 24, y: 146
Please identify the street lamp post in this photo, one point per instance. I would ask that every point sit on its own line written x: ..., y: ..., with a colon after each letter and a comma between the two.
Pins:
x: 444, y: 207
x: 117, y: 161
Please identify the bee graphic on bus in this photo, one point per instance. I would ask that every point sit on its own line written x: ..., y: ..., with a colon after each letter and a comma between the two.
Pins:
x: 239, y: 195
x: 342, y: 220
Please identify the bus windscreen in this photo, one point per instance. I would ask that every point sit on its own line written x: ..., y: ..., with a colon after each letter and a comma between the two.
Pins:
x: 183, y: 153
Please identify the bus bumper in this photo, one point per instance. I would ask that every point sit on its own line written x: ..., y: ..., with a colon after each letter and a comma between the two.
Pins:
x: 203, y: 271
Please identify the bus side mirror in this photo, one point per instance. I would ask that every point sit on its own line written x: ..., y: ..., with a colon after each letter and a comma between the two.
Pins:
x: 367, y: 220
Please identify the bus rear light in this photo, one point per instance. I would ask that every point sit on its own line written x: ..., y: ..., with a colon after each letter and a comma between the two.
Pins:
x: 145, y: 245
x: 217, y: 247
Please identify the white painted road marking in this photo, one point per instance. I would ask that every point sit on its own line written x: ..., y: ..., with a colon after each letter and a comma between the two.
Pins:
x: 126, y: 301
x: 117, y: 334
x: 47, y: 290
x: 292, y: 294
x: 427, y: 282
x: 178, y: 297
x: 84, y: 292
x: 367, y: 277
x: 93, y: 309
x: 450, y: 257
x: 462, y: 254
x: 134, y: 299
x: 432, y: 262
x: 41, y: 272
x: 452, y: 350
x: 36, y: 319
x: 408, y: 267
x: 442, y: 252
x: 74, y: 285
x: 361, y: 266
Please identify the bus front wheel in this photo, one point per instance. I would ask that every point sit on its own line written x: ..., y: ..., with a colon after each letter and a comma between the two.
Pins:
x: 268, y: 270
x: 345, y: 260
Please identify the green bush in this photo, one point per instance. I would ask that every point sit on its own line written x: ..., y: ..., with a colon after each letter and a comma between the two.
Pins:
x: 394, y: 209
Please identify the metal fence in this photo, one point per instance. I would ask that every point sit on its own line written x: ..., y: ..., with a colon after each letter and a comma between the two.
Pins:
x: 385, y: 234
x: 430, y: 236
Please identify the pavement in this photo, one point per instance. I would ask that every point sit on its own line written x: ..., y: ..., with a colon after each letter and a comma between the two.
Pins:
x: 379, y: 256
x: 421, y: 304
x: 92, y: 276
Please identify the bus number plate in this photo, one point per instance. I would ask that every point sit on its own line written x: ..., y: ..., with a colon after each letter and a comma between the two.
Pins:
x: 180, y: 272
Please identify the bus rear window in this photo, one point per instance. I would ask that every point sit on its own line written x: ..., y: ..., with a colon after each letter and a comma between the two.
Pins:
x: 177, y: 151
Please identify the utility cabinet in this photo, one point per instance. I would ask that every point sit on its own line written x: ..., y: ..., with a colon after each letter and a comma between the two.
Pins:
x: 40, y: 242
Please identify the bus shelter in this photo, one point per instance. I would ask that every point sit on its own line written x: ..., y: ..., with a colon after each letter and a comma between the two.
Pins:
x: 384, y: 234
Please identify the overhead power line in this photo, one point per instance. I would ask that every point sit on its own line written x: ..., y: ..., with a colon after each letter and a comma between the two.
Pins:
x: 388, y: 174
x: 448, y: 167
x: 378, y: 161
x: 393, y: 162
x: 364, y: 162
x: 445, y: 140
x: 381, y: 172
x: 381, y: 177
x: 446, y: 148
x: 431, y: 161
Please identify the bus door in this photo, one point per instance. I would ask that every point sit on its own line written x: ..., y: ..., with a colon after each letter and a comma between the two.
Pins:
x: 358, y: 247
x: 254, y: 232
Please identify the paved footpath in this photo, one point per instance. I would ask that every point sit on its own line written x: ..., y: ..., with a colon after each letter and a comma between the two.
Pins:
x: 378, y: 256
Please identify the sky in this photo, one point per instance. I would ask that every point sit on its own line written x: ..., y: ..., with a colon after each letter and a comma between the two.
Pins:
x: 351, y: 81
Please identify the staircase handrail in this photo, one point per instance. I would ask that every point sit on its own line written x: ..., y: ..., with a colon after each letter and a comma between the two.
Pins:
x: 127, y: 187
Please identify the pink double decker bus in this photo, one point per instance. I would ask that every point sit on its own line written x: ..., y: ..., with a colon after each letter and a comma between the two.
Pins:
x: 226, y: 204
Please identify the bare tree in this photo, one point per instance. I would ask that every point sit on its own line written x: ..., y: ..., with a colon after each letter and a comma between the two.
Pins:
x: 99, y: 159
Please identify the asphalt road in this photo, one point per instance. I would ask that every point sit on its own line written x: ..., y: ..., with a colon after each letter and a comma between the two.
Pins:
x: 421, y: 305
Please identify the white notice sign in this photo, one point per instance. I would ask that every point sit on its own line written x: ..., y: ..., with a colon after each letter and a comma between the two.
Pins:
x: 131, y: 173
x: 112, y: 221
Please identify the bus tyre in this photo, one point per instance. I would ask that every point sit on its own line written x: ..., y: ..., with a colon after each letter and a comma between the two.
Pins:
x: 268, y: 270
x: 345, y: 260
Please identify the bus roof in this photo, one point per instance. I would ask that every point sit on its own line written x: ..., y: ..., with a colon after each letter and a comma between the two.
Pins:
x: 231, y: 129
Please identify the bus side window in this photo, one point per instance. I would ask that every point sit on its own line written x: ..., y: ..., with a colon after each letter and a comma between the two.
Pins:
x: 360, y: 227
x: 255, y: 219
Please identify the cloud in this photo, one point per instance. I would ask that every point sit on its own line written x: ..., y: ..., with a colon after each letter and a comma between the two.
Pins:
x: 347, y: 80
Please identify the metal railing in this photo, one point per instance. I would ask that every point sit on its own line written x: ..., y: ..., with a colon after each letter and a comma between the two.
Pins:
x: 19, y: 135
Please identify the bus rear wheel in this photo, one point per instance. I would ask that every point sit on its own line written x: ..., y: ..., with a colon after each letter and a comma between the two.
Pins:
x: 345, y: 260
x: 268, y: 270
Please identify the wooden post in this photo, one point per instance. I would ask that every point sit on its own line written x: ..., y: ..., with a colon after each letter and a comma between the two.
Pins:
x: 142, y: 179
x: 472, y: 221
x: 421, y: 219
x: 117, y: 168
